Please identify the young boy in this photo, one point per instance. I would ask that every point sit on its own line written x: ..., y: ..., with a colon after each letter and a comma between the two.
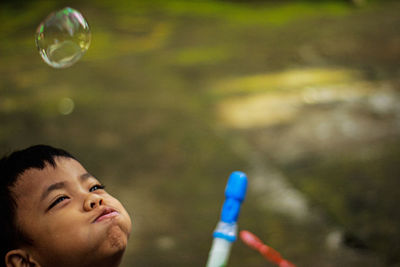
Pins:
x: 54, y: 213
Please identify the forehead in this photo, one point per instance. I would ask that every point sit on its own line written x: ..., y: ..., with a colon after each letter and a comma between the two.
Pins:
x: 33, y: 182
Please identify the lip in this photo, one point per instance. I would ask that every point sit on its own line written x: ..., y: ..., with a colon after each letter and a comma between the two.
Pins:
x: 106, y: 213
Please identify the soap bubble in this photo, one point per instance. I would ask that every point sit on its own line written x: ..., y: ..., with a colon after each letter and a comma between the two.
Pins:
x: 66, y: 106
x: 63, y: 37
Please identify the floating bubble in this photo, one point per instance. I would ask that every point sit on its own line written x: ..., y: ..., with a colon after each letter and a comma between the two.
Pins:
x: 66, y: 106
x: 63, y: 38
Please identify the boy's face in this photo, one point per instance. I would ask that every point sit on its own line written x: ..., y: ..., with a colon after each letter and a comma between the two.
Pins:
x: 71, y: 219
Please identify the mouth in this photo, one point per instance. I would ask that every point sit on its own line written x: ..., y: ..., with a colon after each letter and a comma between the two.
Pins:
x: 106, y: 213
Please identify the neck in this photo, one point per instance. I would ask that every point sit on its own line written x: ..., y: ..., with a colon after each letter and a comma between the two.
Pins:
x: 112, y: 261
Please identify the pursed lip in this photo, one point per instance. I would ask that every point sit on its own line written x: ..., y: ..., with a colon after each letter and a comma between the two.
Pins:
x: 105, y: 213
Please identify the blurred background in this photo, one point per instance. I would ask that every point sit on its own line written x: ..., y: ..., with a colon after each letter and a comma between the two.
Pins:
x: 172, y: 96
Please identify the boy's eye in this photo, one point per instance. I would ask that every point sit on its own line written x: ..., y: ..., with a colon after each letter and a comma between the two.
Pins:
x: 58, y: 200
x: 96, y: 187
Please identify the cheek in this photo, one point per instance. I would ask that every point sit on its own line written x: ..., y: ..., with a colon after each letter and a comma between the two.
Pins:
x: 63, y: 229
x: 125, y: 216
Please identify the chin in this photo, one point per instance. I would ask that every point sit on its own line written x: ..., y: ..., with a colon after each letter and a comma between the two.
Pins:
x: 117, y: 238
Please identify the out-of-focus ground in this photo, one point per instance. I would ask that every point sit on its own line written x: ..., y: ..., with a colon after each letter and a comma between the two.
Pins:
x: 174, y: 95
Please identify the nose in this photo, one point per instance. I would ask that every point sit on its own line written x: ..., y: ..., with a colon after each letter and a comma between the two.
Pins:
x: 92, y: 201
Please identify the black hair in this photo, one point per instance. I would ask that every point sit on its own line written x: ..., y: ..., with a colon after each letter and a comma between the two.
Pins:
x: 11, y: 168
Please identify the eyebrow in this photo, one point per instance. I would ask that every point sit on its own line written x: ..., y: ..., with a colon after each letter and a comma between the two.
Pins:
x: 52, y: 188
x: 85, y: 176
x: 59, y: 185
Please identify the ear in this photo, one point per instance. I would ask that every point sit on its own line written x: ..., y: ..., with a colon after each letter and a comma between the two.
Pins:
x: 20, y: 258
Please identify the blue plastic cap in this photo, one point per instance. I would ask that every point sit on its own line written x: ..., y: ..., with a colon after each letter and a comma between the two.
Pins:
x: 235, y: 193
x: 236, y: 186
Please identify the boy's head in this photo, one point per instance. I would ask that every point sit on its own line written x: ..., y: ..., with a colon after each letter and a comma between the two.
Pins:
x: 54, y: 213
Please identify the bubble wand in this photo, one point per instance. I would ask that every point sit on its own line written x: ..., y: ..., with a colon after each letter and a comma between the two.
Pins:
x: 226, y: 230
x: 267, y: 252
